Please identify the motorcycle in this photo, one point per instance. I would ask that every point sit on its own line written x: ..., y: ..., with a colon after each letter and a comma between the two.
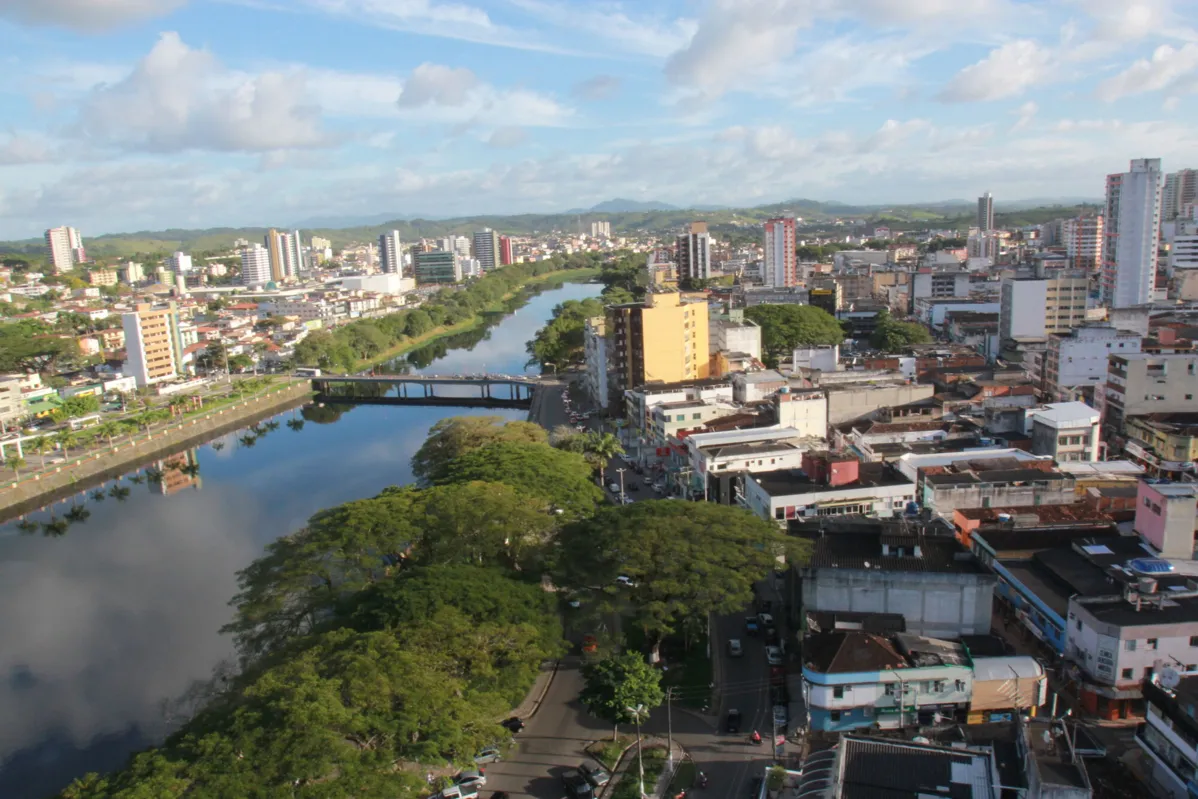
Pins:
x: 755, y: 738
x: 702, y: 780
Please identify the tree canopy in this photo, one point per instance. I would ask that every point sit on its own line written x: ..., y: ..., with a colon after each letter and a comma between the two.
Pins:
x: 618, y: 682
x: 560, y: 342
x: 784, y: 327
x: 562, y: 479
x: 892, y: 335
x: 687, y: 559
x: 457, y: 435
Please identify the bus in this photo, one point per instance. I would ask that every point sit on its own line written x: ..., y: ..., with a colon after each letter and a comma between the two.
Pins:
x: 307, y: 372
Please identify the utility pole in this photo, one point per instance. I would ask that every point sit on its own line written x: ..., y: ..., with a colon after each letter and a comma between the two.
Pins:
x: 670, y: 725
x: 640, y: 763
x: 621, y: 471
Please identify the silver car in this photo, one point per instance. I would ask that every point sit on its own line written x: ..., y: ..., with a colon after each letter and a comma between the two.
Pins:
x: 734, y: 647
x: 773, y: 656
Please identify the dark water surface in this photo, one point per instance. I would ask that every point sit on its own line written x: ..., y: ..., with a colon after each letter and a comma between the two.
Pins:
x: 111, y: 602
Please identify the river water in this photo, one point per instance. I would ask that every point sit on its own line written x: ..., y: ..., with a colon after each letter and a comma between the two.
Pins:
x: 107, y: 621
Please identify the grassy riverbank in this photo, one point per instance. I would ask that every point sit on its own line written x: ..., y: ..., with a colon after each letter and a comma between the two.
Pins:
x: 551, y: 279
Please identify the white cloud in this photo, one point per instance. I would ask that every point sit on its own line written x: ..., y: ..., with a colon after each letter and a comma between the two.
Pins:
x: 433, y: 84
x: 644, y: 35
x: 1005, y: 72
x: 1163, y: 70
x: 25, y: 148
x: 600, y: 87
x: 85, y: 15
x: 178, y: 98
x: 1026, y: 114
x: 508, y: 136
x: 736, y: 41
x: 435, y: 93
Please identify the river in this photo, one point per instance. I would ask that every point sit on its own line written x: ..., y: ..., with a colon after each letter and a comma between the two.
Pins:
x: 107, y: 622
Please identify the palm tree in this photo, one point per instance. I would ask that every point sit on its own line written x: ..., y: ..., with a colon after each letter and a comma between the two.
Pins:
x: 77, y: 513
x: 16, y: 464
x: 601, y: 448
x: 65, y: 439
x: 41, y: 445
x: 108, y: 430
x: 55, y: 527
x: 137, y: 479
x: 119, y: 492
x: 98, y: 495
x: 296, y: 424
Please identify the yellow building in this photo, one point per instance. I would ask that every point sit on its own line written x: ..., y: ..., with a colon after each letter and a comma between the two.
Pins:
x: 1066, y: 304
x: 153, y: 347
x: 102, y: 277
x: 660, y: 340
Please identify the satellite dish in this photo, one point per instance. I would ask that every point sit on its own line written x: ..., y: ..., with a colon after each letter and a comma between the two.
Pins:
x: 1169, y: 678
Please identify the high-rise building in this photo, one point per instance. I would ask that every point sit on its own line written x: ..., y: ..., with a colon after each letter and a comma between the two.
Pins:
x: 505, y: 251
x: 180, y: 263
x: 275, y: 247
x: 134, y: 273
x: 256, y: 266
x: 694, y: 253
x: 462, y: 245
x: 986, y: 212
x: 1038, y: 307
x: 65, y: 247
x: 601, y: 230
x: 660, y: 340
x: 436, y: 268
x: 1133, y: 220
x: 391, y: 253
x: 1083, y: 240
x: 296, y: 259
x: 1181, y: 188
x: 486, y: 249
x: 153, y: 346
x: 781, y: 262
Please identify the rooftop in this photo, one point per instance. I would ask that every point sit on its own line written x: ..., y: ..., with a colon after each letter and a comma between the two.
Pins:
x: 874, y: 768
x: 859, y: 545
x: 1038, y: 515
x: 847, y: 652
x: 1064, y: 413
x: 793, y: 482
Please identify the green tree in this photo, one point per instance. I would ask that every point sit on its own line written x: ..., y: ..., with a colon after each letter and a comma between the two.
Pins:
x: 784, y: 327
x: 481, y: 523
x: 597, y: 448
x: 561, y: 342
x: 457, y: 435
x: 616, y: 683
x: 16, y: 463
x: 418, y: 323
x: 66, y: 439
x: 25, y: 347
x: 562, y: 479
x: 891, y: 335
x: 76, y: 406
x: 687, y: 559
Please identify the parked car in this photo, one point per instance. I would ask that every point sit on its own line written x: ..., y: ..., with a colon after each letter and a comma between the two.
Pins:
x: 469, y: 791
x: 488, y: 754
x: 751, y: 625
x: 732, y: 722
x: 627, y: 582
x: 734, y: 648
x: 773, y: 656
x: 513, y: 725
x: 475, y: 776
x: 576, y: 785
x: 613, y: 487
x: 595, y: 774
x: 765, y: 620
x: 590, y: 644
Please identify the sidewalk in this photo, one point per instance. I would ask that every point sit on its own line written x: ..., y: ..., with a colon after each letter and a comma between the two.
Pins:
x: 628, y: 766
x: 536, y: 694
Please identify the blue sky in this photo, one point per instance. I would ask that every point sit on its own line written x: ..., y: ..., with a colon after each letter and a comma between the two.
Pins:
x: 123, y: 115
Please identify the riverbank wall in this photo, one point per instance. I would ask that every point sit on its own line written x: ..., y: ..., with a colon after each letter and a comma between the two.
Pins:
x: 97, y: 466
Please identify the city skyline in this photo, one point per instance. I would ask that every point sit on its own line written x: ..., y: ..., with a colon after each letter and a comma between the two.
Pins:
x: 169, y: 113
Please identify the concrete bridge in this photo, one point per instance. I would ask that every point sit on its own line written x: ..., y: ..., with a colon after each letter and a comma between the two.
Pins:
x: 501, y: 391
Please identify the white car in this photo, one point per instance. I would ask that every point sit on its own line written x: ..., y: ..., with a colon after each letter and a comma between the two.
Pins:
x: 765, y: 619
x: 734, y: 647
x: 773, y: 656
x: 627, y: 582
x: 613, y: 487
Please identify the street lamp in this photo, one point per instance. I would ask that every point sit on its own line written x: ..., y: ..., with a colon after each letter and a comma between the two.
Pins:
x: 621, y: 471
x: 636, y: 714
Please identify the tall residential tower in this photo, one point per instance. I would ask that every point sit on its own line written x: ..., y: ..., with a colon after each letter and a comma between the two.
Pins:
x: 985, y: 212
x: 65, y: 248
x: 694, y: 253
x: 391, y: 253
x: 486, y: 250
x: 781, y: 262
x: 1133, y: 221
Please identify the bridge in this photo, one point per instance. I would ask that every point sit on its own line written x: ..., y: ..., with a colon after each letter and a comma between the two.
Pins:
x: 484, y: 391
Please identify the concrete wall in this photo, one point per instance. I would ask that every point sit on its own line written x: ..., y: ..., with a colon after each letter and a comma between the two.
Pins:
x: 845, y: 405
x: 934, y: 604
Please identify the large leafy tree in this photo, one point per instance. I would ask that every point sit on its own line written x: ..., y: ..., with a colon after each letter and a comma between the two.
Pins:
x: 687, y: 559
x: 597, y: 448
x: 784, y: 327
x: 561, y: 341
x: 303, y: 577
x: 561, y: 479
x: 618, y: 682
x: 892, y: 335
x: 457, y: 435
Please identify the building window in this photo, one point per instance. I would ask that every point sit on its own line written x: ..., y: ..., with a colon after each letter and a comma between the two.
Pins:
x: 1126, y: 674
x: 1194, y: 640
x: 838, y: 692
x: 834, y: 715
x: 1148, y: 672
x: 1151, y: 642
x: 1130, y: 645
x: 889, y: 689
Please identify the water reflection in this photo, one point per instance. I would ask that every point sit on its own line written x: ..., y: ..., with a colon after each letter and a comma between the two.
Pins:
x: 111, y: 606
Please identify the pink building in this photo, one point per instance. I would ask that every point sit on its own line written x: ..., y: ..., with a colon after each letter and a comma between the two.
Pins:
x: 1166, y: 517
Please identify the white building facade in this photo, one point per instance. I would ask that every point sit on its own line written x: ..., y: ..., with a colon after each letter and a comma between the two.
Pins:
x: 1133, y: 218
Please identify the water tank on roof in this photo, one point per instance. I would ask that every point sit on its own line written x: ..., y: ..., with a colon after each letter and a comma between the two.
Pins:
x: 784, y: 390
x: 1004, y: 517
x: 1147, y: 585
x: 1150, y: 566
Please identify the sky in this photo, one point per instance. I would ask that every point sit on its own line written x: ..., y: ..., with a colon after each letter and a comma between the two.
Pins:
x: 127, y: 115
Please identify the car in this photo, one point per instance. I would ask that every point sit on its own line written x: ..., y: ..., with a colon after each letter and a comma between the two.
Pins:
x: 648, y: 479
x: 626, y: 500
x: 625, y: 581
x: 467, y: 791
x: 751, y: 625
x: 780, y: 716
x: 596, y: 775
x: 590, y: 644
x: 475, y: 776
x: 574, y: 602
x: 732, y: 722
x: 755, y: 788
x: 734, y: 648
x: 613, y: 487
x: 488, y: 754
x: 513, y: 725
x: 773, y: 656
x: 576, y: 785
x: 765, y: 619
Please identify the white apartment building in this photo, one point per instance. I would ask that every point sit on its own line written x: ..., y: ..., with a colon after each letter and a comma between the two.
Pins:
x: 758, y: 449
x: 1076, y: 364
x: 1181, y: 189
x: 1143, y: 383
x: 1183, y: 256
x: 1068, y: 431
x: 1037, y: 307
x: 391, y: 253
x: 781, y: 260
x: 824, y: 357
x: 255, y: 265
x: 307, y: 309
x: 65, y: 247
x: 180, y: 263
x: 805, y: 411
x: 870, y: 489
x: 694, y: 253
x: 594, y: 379
x: 1083, y: 241
x: 1133, y: 218
x: 734, y: 333
x: 1169, y: 735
